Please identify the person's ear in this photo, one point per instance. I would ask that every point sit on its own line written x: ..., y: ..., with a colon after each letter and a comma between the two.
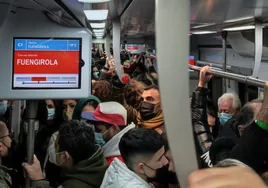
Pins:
x: 114, y: 130
x: 140, y: 168
x: 1, y: 146
x: 241, y: 128
x: 64, y: 157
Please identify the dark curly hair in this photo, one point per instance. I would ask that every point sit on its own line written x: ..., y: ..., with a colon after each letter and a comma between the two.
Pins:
x: 133, y: 93
x: 77, y: 139
x: 102, y: 90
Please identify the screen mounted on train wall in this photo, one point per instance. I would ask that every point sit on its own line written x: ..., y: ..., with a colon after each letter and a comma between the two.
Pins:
x: 46, y: 63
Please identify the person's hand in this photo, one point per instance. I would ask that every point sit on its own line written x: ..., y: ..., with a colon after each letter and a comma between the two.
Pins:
x: 204, y: 77
x: 263, y: 114
x: 149, y: 61
x: 33, y: 171
x: 232, y: 177
x: 11, y: 104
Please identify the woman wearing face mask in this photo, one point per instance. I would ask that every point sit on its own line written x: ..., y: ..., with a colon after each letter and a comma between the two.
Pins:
x: 48, y: 119
x: 68, y: 108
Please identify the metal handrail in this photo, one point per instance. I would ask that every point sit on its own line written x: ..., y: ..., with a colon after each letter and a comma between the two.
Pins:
x: 240, y: 78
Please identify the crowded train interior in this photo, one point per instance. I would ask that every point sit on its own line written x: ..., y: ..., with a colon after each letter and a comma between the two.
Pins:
x: 133, y: 94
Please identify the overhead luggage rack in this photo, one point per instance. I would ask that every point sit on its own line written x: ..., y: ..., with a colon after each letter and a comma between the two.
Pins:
x: 240, y: 78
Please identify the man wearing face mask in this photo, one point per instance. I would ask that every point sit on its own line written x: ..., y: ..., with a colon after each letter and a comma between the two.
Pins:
x: 143, y: 152
x: 6, y: 151
x: 150, y: 114
x: 229, y: 106
x: 82, y: 162
x: 110, y: 120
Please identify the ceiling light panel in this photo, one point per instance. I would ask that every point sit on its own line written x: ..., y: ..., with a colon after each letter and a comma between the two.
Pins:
x: 98, y: 34
x: 97, y: 25
x: 93, y: 1
x: 96, y: 14
x: 98, y: 30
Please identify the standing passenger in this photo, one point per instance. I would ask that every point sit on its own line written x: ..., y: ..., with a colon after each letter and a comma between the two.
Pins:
x: 151, y: 115
x: 143, y: 152
x: 5, y: 151
x: 75, y: 152
x: 110, y: 121
x: 229, y: 106
x: 68, y: 108
x: 85, y: 105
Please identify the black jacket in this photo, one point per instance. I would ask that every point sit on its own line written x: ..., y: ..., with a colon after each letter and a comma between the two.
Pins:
x: 202, y: 136
x: 251, y: 148
x: 222, y: 146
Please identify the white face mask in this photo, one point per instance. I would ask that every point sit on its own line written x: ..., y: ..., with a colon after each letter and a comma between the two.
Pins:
x: 52, y: 154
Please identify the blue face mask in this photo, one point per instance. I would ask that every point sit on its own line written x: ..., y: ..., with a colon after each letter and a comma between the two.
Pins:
x: 99, y: 139
x: 225, y: 117
x: 50, y: 113
x: 96, y: 75
x: 3, y: 107
x: 36, y: 126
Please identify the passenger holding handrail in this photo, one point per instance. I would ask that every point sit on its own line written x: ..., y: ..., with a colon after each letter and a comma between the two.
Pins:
x: 203, y: 138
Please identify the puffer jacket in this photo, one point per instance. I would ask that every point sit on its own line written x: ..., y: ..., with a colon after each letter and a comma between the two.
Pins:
x: 111, y: 148
x: 119, y: 176
x: 202, y: 136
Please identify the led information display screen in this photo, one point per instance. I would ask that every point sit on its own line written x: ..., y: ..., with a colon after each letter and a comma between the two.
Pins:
x: 46, y: 63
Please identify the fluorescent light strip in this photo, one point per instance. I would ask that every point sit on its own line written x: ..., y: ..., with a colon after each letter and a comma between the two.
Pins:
x: 97, y: 25
x: 98, y: 30
x: 248, y: 27
x: 99, y: 34
x: 204, y: 25
x: 96, y: 14
x: 93, y: 1
x: 203, y: 32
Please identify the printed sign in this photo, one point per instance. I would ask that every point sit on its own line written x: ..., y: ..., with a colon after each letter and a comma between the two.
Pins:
x: 46, y: 63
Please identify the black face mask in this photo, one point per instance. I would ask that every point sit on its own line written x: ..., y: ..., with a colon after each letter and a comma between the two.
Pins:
x: 149, y: 110
x: 163, y: 176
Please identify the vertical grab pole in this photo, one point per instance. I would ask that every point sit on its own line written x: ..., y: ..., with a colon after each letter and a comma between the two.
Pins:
x: 258, y: 48
x: 224, y: 59
x: 30, y: 115
x: 174, y: 82
x: 116, y: 46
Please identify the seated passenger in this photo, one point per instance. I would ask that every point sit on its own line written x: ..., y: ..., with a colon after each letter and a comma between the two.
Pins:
x: 68, y: 108
x: 229, y: 106
x: 110, y: 122
x: 143, y: 152
x: 85, y: 105
x: 75, y: 152
x: 150, y: 115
